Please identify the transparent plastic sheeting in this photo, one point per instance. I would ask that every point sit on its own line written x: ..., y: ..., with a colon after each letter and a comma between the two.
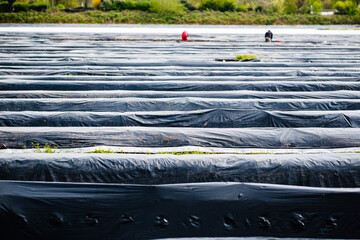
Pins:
x: 271, y: 138
x: 210, y: 118
x: 240, y: 94
x: 315, y: 170
x: 276, y: 86
x: 34, y: 210
x: 175, y: 104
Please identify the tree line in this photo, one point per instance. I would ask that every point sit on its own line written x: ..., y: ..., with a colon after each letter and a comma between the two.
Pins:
x: 348, y: 7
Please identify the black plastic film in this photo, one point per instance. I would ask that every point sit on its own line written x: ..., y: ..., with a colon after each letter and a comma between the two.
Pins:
x: 239, y: 94
x: 31, y: 210
x: 211, y: 118
x: 315, y: 170
x: 176, y: 104
x: 272, y: 138
x: 274, y: 86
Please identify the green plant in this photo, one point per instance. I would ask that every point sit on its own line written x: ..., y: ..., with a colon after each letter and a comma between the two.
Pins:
x: 36, y: 147
x: 186, y: 152
x: 243, y: 57
x: 48, y: 149
x: 100, y: 150
x: 166, y: 6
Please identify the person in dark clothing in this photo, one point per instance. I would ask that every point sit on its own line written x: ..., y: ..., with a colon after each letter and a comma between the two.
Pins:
x: 268, y: 36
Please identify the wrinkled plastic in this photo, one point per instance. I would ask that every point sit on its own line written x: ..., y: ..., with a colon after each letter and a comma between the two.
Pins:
x: 316, y: 170
x: 94, y: 85
x: 211, y: 118
x: 272, y: 138
x: 275, y: 86
x: 241, y: 94
x: 33, y: 210
x: 175, y: 104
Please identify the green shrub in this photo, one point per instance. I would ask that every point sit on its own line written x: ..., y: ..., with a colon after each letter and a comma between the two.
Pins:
x: 317, y: 6
x: 105, y: 5
x: 188, y: 5
x: 290, y: 7
x: 141, y: 5
x: 24, y: 7
x: 60, y: 6
x: 40, y: 7
x: 276, y: 6
x: 346, y: 7
x: 242, y: 8
x: 130, y: 5
x: 21, y: 7
x: 218, y: 5
x: 166, y: 6
x: 4, y: 7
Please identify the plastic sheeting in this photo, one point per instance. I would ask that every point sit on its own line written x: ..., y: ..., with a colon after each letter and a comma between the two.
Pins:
x: 215, y: 118
x: 179, y: 86
x: 316, y: 170
x: 163, y: 94
x: 272, y: 138
x: 103, y: 86
x: 31, y: 210
x: 175, y: 104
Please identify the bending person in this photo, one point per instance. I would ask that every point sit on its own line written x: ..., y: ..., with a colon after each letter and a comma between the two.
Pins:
x: 268, y: 36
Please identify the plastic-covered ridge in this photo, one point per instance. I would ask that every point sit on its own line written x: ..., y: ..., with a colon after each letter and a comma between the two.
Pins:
x: 84, y: 87
x: 316, y: 170
x: 271, y: 138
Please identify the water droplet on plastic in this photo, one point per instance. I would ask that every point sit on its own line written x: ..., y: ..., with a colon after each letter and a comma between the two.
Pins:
x: 240, y: 195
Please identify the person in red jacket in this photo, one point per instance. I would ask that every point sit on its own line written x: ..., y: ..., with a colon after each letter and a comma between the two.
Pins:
x: 184, y: 36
